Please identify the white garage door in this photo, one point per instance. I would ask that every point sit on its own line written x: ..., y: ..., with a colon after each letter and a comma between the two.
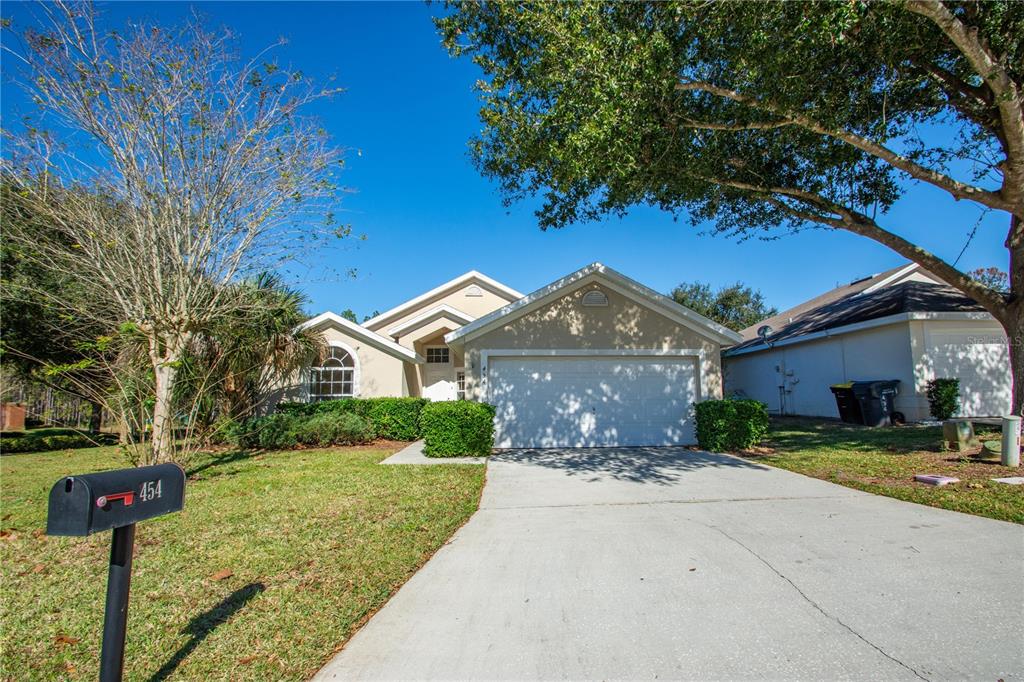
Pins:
x: 547, y: 402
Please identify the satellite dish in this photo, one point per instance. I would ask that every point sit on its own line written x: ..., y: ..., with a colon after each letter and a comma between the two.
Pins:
x: 764, y: 331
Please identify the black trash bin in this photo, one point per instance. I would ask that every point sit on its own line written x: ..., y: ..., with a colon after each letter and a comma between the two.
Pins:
x: 846, y: 401
x: 877, y: 401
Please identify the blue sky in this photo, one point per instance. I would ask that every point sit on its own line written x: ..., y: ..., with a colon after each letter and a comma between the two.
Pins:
x: 428, y: 215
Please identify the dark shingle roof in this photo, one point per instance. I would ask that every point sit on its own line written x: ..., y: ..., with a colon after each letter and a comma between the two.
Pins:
x: 850, y: 307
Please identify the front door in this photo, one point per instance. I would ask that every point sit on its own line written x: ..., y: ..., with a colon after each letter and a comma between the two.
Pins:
x: 439, y: 374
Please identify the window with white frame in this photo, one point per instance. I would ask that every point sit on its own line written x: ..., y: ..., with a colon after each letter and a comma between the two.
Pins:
x: 438, y: 356
x: 334, y: 377
x: 460, y: 385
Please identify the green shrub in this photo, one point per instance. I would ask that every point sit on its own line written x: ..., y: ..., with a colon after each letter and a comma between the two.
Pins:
x: 334, y: 429
x: 273, y: 432
x: 59, y: 441
x: 943, y: 397
x: 724, y: 425
x: 458, y: 427
x: 296, y: 408
x: 396, y: 418
x: 391, y: 418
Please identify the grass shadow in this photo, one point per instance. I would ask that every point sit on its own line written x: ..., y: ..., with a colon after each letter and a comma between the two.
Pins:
x: 796, y: 433
x: 222, y: 459
x: 206, y: 622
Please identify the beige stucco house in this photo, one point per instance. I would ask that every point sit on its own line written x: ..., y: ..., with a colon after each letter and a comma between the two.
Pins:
x: 593, y: 359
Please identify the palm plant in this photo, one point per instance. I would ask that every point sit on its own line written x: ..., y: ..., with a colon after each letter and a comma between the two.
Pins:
x: 232, y: 368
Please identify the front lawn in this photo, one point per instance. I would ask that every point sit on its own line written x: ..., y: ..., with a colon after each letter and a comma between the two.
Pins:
x: 275, y: 561
x: 884, y: 461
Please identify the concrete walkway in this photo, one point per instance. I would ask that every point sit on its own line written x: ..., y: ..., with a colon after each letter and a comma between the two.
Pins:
x: 672, y: 564
x: 413, y: 454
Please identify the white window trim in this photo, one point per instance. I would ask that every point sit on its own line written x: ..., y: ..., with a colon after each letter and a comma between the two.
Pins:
x: 697, y: 353
x: 426, y: 355
x: 355, y: 371
x: 458, y: 371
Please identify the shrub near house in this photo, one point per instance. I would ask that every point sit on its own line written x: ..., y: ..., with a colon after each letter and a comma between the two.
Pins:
x: 725, y: 425
x: 391, y: 418
x: 456, y: 428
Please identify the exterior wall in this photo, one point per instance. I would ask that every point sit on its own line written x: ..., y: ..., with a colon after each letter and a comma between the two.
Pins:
x: 623, y: 324
x: 976, y: 352
x: 471, y: 305
x: 378, y: 374
x: 806, y: 370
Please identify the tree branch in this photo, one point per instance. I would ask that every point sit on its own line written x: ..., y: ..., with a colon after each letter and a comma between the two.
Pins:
x: 858, y: 223
x: 1007, y: 93
x: 959, y: 190
x: 734, y: 127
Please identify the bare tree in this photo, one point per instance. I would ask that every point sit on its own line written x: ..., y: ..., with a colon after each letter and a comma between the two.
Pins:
x: 174, y: 168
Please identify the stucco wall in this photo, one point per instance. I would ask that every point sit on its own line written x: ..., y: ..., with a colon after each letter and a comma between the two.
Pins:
x: 806, y: 370
x: 976, y: 352
x: 623, y: 324
x: 475, y: 306
x: 378, y: 374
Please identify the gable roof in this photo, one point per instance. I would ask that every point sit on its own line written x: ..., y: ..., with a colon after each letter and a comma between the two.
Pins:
x: 913, y: 298
x: 858, y: 286
x: 463, y: 279
x: 443, y: 310
x: 374, y: 339
x: 614, y: 280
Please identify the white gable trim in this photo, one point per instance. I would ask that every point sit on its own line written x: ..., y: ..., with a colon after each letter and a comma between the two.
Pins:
x: 471, y: 276
x: 891, y: 279
x: 962, y: 316
x: 376, y: 340
x: 443, y: 310
x: 612, y: 279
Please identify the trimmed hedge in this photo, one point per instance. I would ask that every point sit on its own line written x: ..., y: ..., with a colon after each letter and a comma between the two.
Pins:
x: 456, y: 428
x: 71, y: 441
x: 724, y: 425
x: 391, y: 418
x: 334, y: 429
x: 285, y: 431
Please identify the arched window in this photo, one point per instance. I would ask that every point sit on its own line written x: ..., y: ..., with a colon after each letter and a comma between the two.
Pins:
x: 334, y: 377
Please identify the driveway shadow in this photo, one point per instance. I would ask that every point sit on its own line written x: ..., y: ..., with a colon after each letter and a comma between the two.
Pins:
x: 661, y: 466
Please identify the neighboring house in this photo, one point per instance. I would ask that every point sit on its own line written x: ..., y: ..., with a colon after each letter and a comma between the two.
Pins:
x: 902, y: 324
x: 593, y: 359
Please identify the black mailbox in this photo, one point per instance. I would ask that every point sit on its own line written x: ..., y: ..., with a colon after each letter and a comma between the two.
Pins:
x: 91, y: 503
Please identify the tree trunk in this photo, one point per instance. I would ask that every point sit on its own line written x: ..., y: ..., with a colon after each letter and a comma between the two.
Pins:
x: 95, y: 416
x: 1013, y: 321
x: 1015, y: 335
x: 165, y: 355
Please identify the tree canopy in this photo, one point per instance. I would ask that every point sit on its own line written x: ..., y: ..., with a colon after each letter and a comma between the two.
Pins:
x: 736, y: 306
x: 760, y: 118
x: 174, y: 168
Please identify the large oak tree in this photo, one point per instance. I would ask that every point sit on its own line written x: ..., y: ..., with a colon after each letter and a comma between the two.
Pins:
x: 760, y: 116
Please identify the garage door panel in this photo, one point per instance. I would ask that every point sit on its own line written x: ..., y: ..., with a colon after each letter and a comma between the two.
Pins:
x: 592, y: 402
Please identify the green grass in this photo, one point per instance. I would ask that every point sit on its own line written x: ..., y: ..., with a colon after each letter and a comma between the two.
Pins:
x: 884, y: 461
x: 315, y: 541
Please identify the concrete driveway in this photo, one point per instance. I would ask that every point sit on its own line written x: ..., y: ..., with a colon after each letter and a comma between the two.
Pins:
x: 671, y: 564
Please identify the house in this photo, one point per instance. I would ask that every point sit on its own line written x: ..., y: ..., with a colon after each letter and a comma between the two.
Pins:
x: 593, y: 359
x: 903, y: 324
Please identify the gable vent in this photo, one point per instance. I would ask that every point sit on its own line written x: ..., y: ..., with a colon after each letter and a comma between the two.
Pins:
x: 474, y: 291
x: 595, y: 299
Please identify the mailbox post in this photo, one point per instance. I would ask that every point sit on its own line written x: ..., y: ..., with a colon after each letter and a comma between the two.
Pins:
x: 91, y: 503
